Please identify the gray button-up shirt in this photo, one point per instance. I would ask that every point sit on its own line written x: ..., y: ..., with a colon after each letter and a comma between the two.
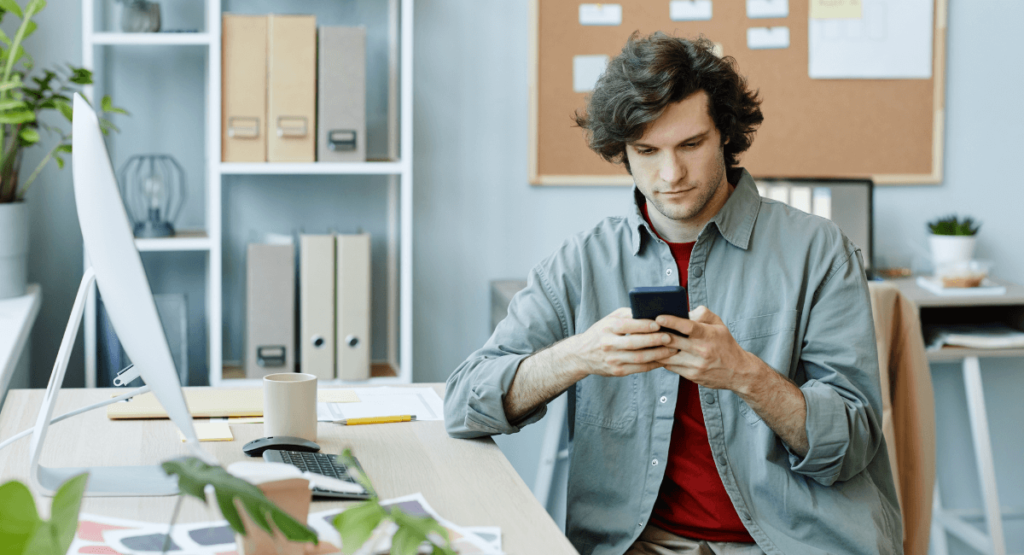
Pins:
x: 791, y: 288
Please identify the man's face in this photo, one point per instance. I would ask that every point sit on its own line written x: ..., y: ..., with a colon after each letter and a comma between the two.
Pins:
x: 679, y: 163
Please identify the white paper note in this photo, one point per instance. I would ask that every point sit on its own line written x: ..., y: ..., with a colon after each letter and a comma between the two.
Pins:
x: 421, y: 402
x: 600, y: 14
x: 689, y: 10
x: 586, y: 70
x: 760, y: 38
x: 823, y: 202
x: 760, y: 9
x: 893, y: 40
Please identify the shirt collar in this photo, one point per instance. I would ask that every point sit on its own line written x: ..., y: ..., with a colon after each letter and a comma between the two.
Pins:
x: 735, y: 221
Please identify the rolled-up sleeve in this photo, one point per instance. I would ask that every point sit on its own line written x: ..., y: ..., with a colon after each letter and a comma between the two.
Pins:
x: 842, y: 390
x: 475, y: 392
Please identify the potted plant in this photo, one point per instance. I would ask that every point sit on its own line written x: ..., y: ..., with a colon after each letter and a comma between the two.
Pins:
x: 952, y: 239
x: 23, y: 96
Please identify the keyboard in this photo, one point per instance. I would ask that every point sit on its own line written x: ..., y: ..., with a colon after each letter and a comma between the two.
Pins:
x: 318, y: 463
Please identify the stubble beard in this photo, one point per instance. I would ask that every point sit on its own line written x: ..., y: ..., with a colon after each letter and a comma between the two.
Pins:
x: 706, y: 192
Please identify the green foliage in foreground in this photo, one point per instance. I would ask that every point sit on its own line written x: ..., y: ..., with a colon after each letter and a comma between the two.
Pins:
x: 358, y: 522
x: 21, y: 529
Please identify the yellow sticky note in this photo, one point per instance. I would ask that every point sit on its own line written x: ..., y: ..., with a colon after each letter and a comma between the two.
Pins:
x: 211, y: 431
x: 837, y: 9
x: 336, y: 396
x: 245, y: 420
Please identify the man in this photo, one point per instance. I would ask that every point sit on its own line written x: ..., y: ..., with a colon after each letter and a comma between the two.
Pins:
x: 760, y: 432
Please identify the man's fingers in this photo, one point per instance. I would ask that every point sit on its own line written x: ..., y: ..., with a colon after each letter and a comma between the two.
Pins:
x: 682, y: 325
x: 641, y: 341
x: 628, y: 325
x: 642, y: 356
x: 624, y: 312
x: 703, y: 315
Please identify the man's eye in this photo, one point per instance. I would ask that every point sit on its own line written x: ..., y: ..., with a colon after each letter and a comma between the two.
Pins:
x: 645, y: 151
x: 692, y: 145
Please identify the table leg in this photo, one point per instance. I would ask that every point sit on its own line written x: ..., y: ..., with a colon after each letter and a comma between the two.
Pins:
x: 938, y: 533
x: 983, y: 452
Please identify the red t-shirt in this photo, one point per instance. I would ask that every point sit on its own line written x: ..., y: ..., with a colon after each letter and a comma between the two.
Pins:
x: 692, y: 502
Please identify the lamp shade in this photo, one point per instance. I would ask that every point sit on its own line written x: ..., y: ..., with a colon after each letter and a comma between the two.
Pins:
x: 153, y: 190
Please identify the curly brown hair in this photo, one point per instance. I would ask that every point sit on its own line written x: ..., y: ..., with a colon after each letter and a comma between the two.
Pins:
x: 655, y: 71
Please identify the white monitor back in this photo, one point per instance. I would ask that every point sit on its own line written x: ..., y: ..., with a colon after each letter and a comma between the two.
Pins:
x: 120, y: 276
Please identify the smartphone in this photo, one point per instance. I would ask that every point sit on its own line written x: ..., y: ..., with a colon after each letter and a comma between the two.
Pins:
x: 651, y: 302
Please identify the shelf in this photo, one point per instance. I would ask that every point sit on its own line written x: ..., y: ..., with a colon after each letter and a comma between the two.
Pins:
x: 184, y: 240
x: 140, y: 39
x: 956, y: 354
x: 312, y: 168
x: 381, y: 373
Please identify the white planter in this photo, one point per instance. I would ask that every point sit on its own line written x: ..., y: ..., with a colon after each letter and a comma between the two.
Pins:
x: 13, y: 249
x: 947, y: 249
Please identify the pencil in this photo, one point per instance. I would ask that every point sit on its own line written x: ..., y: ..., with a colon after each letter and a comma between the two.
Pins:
x: 376, y: 420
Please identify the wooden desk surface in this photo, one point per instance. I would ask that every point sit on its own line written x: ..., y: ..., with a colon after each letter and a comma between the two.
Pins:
x: 924, y: 298
x: 469, y: 482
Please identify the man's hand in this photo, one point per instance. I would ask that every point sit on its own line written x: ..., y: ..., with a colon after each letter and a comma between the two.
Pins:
x: 618, y: 345
x: 710, y: 355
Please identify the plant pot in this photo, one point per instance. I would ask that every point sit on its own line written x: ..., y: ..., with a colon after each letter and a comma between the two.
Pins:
x: 947, y: 249
x: 13, y: 249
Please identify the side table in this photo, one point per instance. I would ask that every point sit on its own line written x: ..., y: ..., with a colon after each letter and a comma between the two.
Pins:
x: 966, y: 310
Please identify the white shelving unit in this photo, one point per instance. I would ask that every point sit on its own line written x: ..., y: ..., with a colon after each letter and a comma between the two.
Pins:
x: 397, y: 368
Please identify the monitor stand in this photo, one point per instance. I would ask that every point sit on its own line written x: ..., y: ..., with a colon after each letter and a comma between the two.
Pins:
x: 108, y: 481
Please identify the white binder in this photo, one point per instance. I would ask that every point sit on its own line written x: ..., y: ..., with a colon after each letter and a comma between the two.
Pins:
x: 316, y: 305
x: 353, y: 308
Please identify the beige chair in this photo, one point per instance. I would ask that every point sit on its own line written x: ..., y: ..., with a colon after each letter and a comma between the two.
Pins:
x: 908, y: 410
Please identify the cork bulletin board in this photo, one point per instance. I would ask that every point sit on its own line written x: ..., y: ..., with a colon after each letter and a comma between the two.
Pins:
x: 887, y: 130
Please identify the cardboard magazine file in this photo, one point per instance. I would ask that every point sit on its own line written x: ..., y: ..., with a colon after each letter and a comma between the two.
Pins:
x: 341, y: 98
x: 270, y: 310
x: 244, y: 88
x: 291, y: 88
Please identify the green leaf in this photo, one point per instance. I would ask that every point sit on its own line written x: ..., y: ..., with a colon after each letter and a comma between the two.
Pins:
x: 29, y: 135
x: 108, y: 106
x: 356, y: 471
x: 421, y: 527
x: 30, y: 28
x: 357, y: 523
x: 406, y: 541
x: 11, y: 6
x: 64, y: 148
x: 17, y: 116
x: 60, y: 161
x: 19, y: 517
x: 194, y: 475
x: 7, y: 105
x: 4, y: 38
x: 64, y: 511
x: 65, y: 108
x: 35, y: 6
x: 80, y: 76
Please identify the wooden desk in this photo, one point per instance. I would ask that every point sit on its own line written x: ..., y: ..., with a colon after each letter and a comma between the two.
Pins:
x: 466, y: 481
x: 939, y: 310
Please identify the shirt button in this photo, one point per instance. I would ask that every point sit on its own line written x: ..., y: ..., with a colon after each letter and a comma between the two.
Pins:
x: 709, y: 399
x: 698, y: 271
x: 668, y: 271
x: 663, y: 399
x: 640, y: 524
x: 654, y: 462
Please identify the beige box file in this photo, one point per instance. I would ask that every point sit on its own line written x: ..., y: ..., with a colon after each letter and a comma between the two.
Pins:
x: 341, y: 95
x: 291, y: 88
x: 270, y: 310
x: 244, y: 88
x: 316, y: 304
x: 353, y: 294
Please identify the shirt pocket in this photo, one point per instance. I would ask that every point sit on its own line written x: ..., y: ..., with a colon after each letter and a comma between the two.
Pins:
x: 771, y: 338
x: 607, y: 402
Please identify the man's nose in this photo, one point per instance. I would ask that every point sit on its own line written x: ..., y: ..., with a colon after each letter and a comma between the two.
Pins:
x: 672, y: 170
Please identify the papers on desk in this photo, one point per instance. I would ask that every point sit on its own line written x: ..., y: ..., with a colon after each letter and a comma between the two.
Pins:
x: 101, y: 534
x: 934, y: 285
x: 422, y: 402
x: 465, y: 540
x: 980, y: 336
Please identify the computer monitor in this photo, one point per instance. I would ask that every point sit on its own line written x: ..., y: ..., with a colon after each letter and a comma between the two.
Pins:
x: 116, y: 266
x: 847, y: 202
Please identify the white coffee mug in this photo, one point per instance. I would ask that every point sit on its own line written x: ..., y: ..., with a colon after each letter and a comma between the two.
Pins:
x: 289, y: 405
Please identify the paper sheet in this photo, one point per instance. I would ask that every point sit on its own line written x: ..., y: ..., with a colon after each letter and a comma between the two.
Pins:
x: 689, y: 10
x: 211, y: 431
x: 423, y: 402
x: 336, y: 396
x: 892, y: 40
x: 759, y: 9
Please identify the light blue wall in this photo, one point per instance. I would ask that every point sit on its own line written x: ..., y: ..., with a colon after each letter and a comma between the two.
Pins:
x: 477, y: 219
